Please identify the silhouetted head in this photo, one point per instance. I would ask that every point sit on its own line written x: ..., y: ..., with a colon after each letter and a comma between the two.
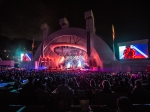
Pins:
x: 92, y: 83
x: 121, y: 83
x: 63, y: 81
x: 106, y: 84
x: 30, y: 79
x: 124, y: 104
x: 138, y: 84
x: 128, y: 46
x: 126, y: 80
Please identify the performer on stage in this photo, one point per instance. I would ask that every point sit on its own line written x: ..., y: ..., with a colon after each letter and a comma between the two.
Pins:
x: 129, y: 53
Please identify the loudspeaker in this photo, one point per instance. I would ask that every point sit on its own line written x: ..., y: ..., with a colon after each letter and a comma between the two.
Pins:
x: 88, y: 44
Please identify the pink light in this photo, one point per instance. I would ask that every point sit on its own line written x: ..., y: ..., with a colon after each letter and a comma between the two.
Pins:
x: 62, y: 59
x: 65, y: 44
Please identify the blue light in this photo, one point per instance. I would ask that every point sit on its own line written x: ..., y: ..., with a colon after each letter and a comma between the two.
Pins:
x: 139, y: 51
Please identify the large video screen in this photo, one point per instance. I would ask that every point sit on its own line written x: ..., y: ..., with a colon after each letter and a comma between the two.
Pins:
x: 26, y: 57
x: 134, y: 51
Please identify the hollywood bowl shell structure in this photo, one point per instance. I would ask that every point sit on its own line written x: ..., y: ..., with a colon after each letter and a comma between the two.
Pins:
x: 68, y: 46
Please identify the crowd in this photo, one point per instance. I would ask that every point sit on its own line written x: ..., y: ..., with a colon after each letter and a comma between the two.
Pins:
x: 133, y: 87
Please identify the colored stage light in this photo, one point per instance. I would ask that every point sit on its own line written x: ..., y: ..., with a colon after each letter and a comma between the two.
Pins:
x: 68, y: 65
x: 79, y: 63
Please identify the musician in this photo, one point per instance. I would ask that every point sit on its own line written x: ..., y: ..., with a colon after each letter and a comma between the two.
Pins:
x: 129, y: 53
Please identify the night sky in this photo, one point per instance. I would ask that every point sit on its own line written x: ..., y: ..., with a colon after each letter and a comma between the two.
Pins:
x: 23, y: 18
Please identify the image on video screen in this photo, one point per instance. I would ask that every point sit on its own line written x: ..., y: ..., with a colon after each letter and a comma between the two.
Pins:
x: 26, y: 56
x: 135, y: 51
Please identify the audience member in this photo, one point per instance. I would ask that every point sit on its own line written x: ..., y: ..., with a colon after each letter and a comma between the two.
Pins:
x: 116, y: 83
x: 70, y: 82
x: 64, y: 88
x: 17, y: 83
x: 138, y: 92
x: 106, y: 87
x: 92, y: 83
x: 121, y: 88
x: 147, y: 86
x: 27, y: 93
x: 75, y: 83
x: 124, y: 104
x: 84, y: 82
x: 126, y: 82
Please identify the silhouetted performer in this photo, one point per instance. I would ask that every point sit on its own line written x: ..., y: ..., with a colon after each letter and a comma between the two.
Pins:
x: 129, y: 53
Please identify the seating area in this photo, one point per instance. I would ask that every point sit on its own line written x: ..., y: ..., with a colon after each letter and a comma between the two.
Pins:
x: 72, y: 91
